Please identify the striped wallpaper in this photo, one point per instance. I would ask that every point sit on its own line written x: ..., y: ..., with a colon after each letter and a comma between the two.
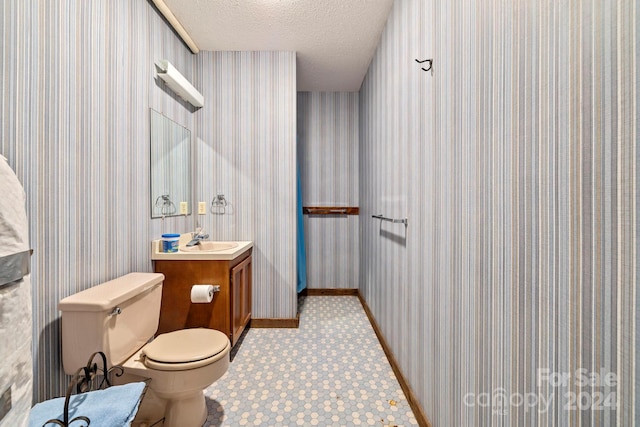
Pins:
x: 246, y: 150
x: 328, y: 158
x: 77, y: 85
x: 516, y: 163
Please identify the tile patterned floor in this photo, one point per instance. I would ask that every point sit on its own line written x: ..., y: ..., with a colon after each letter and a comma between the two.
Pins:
x: 331, y: 371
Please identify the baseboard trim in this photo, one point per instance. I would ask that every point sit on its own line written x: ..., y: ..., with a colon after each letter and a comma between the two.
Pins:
x: 421, y: 417
x: 276, y: 323
x: 338, y: 292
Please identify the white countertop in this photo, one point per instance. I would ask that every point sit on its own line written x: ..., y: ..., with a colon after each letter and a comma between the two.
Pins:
x: 220, y: 255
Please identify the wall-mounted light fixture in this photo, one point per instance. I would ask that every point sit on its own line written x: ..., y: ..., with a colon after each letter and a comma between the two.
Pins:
x: 178, y: 83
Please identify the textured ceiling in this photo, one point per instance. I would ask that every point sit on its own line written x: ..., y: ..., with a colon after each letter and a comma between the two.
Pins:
x: 334, y: 39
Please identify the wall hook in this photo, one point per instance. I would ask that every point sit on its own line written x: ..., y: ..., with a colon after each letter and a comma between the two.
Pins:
x: 430, y: 61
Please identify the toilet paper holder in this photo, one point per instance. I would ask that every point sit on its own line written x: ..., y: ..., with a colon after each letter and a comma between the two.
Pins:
x: 216, y: 288
x: 203, y: 293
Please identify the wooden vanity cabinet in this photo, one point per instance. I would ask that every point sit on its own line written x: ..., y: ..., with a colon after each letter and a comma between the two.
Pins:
x: 240, y: 298
x: 230, y: 310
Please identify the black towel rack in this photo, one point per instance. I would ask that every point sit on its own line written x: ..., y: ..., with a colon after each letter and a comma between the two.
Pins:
x: 404, y: 221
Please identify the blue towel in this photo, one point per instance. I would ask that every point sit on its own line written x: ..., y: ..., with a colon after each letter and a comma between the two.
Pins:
x: 111, y: 407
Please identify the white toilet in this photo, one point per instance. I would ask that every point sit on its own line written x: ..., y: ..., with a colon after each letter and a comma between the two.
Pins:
x: 119, y: 318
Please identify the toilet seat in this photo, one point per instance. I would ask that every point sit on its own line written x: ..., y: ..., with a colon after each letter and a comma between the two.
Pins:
x: 185, y: 349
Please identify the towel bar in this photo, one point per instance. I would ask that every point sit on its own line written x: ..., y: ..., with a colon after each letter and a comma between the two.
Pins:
x: 330, y: 210
x: 404, y: 221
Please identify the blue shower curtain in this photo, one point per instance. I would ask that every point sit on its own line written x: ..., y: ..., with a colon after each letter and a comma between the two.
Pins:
x: 302, y: 253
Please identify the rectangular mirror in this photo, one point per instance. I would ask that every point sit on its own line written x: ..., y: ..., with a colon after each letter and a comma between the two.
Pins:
x: 170, y: 166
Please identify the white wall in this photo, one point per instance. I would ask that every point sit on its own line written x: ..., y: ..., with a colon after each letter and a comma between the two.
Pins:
x: 77, y: 86
x: 328, y: 158
x: 246, y: 150
x: 516, y: 164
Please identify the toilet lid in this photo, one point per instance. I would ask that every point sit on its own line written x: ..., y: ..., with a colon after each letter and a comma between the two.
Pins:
x: 186, y: 345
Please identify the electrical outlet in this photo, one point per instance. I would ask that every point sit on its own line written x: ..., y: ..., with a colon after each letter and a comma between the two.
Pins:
x: 184, y: 208
x: 202, y: 208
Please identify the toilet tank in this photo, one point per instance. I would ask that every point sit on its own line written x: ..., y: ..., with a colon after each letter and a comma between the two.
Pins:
x: 116, y: 317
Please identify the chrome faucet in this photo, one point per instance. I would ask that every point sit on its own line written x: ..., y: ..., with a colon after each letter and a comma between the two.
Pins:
x: 198, y: 236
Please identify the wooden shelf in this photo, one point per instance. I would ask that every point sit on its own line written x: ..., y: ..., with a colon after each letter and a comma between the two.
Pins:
x: 330, y: 210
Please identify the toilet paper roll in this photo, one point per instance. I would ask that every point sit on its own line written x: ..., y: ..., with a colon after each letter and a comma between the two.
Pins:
x: 201, y: 293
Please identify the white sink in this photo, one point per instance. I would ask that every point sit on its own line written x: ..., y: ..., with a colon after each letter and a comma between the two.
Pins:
x: 205, y: 246
x: 205, y: 250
